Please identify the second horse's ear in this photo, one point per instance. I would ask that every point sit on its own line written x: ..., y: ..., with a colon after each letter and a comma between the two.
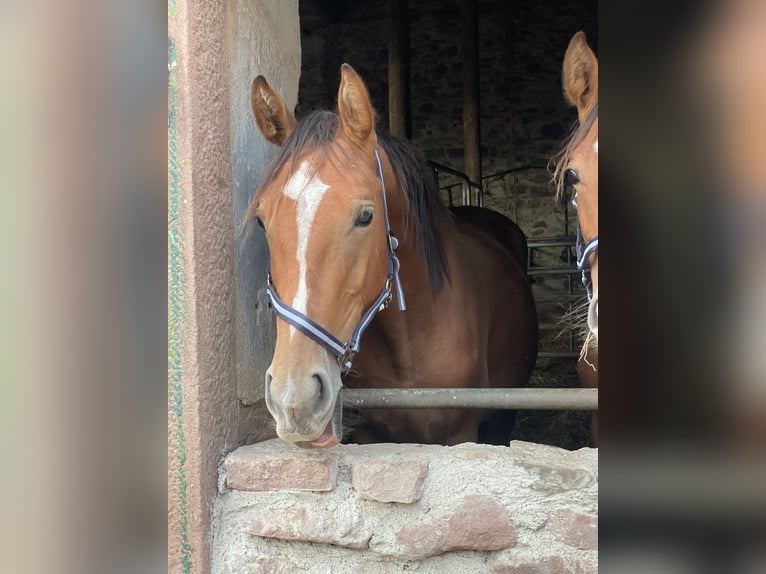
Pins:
x: 356, y: 114
x: 274, y: 121
x: 580, y: 74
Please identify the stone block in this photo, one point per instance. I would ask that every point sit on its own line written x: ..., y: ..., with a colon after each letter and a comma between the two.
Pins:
x: 262, y: 565
x: 478, y: 523
x: 555, y: 469
x: 277, y: 465
x: 309, y: 522
x: 547, y: 565
x: 391, y: 479
x: 553, y: 565
x: 574, y: 528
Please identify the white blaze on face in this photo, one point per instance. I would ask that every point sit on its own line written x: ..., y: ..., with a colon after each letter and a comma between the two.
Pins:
x: 595, y: 147
x: 308, y: 193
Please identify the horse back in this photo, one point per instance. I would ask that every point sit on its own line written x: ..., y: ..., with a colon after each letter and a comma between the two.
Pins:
x: 494, y: 254
x: 498, y: 226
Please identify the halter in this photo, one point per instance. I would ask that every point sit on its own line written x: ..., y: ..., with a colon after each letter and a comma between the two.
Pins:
x: 345, y: 352
x: 583, y: 256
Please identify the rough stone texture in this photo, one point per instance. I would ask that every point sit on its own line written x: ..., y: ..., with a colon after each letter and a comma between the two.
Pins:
x: 575, y: 528
x: 524, y: 117
x: 389, y: 479
x: 550, y: 473
x: 553, y: 565
x: 262, y: 565
x: 342, y: 526
x: 480, y: 510
x: 478, y: 523
x: 270, y: 466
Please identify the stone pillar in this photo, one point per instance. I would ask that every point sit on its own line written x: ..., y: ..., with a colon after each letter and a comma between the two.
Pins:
x: 215, y: 157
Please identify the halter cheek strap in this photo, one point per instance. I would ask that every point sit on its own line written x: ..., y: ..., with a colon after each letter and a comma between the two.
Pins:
x: 345, y: 352
x: 583, y: 256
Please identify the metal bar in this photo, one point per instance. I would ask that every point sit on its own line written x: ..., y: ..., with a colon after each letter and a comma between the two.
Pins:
x: 552, y: 271
x: 527, y: 399
x: 569, y: 272
x: 465, y: 183
x: 513, y: 170
x: 559, y: 299
x: 458, y: 174
x: 559, y: 242
x: 549, y: 326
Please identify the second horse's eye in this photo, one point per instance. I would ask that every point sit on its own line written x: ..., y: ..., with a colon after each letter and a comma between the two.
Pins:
x: 571, y: 177
x: 363, y: 218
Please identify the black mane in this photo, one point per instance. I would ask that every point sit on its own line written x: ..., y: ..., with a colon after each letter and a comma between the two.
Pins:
x: 426, y: 213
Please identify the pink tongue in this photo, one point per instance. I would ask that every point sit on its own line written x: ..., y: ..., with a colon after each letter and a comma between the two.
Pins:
x: 327, y: 439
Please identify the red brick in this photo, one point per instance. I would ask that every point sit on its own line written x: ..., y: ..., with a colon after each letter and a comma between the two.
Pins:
x: 277, y: 465
x: 478, y: 523
x: 390, y: 479
x: 574, y: 528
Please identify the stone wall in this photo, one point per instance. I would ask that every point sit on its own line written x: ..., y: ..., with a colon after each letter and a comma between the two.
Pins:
x: 524, y: 117
x: 526, y: 508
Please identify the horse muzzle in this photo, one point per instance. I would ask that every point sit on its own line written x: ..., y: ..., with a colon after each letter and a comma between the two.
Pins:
x: 307, y: 411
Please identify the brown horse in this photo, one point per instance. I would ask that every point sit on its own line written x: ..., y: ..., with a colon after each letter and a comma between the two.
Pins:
x: 576, y: 175
x: 329, y: 201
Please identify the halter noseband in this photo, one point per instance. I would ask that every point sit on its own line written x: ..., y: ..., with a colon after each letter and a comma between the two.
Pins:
x: 583, y: 256
x: 345, y: 352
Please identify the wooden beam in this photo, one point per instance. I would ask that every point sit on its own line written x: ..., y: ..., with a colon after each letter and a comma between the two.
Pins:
x: 399, y: 116
x: 471, y: 119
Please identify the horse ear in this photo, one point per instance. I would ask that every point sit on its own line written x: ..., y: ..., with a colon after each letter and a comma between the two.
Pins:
x: 580, y: 74
x: 270, y: 111
x: 356, y: 114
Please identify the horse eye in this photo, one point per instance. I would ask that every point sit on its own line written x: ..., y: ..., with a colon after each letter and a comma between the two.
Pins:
x: 259, y: 222
x: 363, y: 218
x: 571, y: 177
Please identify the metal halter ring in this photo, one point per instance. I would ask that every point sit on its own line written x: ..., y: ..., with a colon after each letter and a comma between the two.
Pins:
x: 347, y: 357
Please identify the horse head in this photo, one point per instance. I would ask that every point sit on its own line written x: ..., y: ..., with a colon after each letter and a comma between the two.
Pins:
x: 577, y: 167
x: 321, y: 206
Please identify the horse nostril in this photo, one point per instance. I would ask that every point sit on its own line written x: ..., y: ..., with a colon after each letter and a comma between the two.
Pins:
x: 320, y: 384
